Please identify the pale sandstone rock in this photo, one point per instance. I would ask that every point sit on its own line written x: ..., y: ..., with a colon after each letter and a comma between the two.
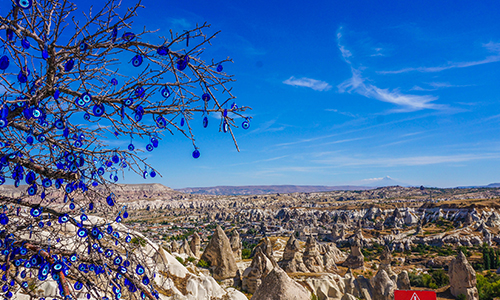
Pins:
x: 462, y: 278
x: 278, y: 286
x: 383, y: 286
x: 292, y: 258
x: 220, y: 256
x: 159, y: 261
x: 348, y: 296
x: 260, y: 267
x: 385, y: 262
x: 326, y: 287
x: 403, y: 281
x: 311, y: 256
x: 336, y: 253
x: 195, y: 244
x: 493, y: 220
x: 185, y: 249
x: 265, y: 246
x: 355, y: 260
x: 236, y: 245
x: 364, y: 288
x: 329, y: 262
x: 349, y: 284
x: 174, y: 246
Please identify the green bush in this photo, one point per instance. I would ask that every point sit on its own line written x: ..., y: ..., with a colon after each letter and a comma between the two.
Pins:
x: 435, y: 279
x: 462, y: 297
x: 440, y: 277
x: 490, y: 258
x: 478, y: 267
x: 138, y: 241
x: 246, y: 253
x: 428, y: 282
x: 415, y: 280
x: 464, y: 250
x: 203, y: 264
x: 180, y: 259
x: 191, y: 259
x: 488, y: 286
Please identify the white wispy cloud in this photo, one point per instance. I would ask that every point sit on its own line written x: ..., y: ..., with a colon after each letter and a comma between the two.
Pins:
x: 491, y: 47
x: 344, y: 141
x: 407, y: 102
x: 378, y: 52
x: 306, y: 140
x: 341, y: 112
x: 357, y: 84
x: 375, y: 179
x: 314, y: 84
x: 438, y: 85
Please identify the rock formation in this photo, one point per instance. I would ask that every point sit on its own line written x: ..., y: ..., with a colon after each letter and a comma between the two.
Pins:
x: 265, y: 246
x: 195, y: 245
x: 174, y: 247
x: 236, y: 245
x: 348, y: 296
x: 462, y: 278
x: 329, y: 258
x: 382, y: 286
x: 342, y: 233
x: 311, y: 257
x: 385, y: 262
x: 331, y: 248
x: 355, y: 260
x: 403, y: 282
x: 419, y: 228
x: 493, y: 220
x: 220, y: 256
x: 364, y: 288
x: 468, y: 219
x: 260, y: 267
x: 292, y: 257
x: 185, y: 249
x: 278, y: 286
x: 325, y: 286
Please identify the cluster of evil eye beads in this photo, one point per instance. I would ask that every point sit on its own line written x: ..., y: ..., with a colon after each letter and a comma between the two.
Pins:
x: 40, y: 262
x: 98, y: 109
x: 75, y: 160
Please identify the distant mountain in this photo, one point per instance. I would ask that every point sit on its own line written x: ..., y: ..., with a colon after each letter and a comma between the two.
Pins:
x: 381, y: 182
x: 491, y: 185
x: 267, y: 189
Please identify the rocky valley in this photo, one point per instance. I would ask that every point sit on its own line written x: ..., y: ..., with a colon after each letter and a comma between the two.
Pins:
x: 330, y: 245
x: 343, y: 244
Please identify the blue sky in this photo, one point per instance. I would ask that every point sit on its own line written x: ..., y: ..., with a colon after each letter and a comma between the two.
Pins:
x: 344, y: 92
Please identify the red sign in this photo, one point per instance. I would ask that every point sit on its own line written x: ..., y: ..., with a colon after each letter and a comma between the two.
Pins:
x: 414, y: 295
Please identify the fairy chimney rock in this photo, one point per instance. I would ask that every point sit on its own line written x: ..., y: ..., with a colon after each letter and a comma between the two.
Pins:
x: 278, y: 286
x: 355, y: 260
x: 462, y: 278
x: 312, y: 258
x: 220, y: 256
x: 195, y: 244
x: 236, y: 245
x: 292, y: 257
x: 259, y: 268
x: 175, y: 246
x: 383, y: 286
